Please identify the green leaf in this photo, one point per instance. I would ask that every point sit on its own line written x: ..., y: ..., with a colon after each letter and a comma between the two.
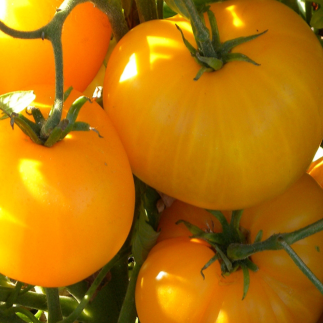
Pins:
x: 317, y: 19
x: 144, y: 238
x: 15, y: 102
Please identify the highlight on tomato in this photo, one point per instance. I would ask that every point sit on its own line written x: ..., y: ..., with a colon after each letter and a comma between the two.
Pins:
x: 85, y: 39
x: 235, y: 137
x: 65, y: 210
x: 171, y: 288
x: 316, y: 170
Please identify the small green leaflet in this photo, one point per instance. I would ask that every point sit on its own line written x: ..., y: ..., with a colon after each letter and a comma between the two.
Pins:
x: 15, y: 102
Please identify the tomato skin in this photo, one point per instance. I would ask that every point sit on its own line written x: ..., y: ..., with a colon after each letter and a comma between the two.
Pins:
x: 85, y: 39
x: 235, y: 137
x: 66, y: 210
x: 316, y: 170
x: 170, y: 288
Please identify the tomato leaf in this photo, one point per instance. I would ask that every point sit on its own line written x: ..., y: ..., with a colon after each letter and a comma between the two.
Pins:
x: 145, y: 237
x: 15, y: 102
x: 317, y: 19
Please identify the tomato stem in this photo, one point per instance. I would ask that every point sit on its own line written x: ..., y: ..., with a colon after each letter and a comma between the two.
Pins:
x: 113, y: 9
x: 53, y: 305
x: 147, y: 10
x: 301, y: 265
x: 89, y: 294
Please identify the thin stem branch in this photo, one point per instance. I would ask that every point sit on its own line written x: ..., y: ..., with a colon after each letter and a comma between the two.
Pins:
x: 301, y: 265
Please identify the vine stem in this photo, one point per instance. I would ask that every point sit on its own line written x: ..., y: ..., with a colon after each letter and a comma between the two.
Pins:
x: 201, y: 33
x: 128, y: 311
x: 89, y: 294
x: 113, y: 9
x: 53, y: 305
x: 147, y: 10
x: 236, y: 251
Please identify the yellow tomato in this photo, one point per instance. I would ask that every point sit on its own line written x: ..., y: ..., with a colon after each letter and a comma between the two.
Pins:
x: 85, y: 39
x: 237, y: 136
x: 65, y: 211
x: 171, y: 289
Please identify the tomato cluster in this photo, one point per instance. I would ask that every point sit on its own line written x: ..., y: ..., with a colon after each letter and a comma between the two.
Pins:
x: 229, y: 138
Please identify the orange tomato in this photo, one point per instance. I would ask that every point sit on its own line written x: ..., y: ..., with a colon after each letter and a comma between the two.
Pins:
x: 65, y: 210
x: 86, y: 36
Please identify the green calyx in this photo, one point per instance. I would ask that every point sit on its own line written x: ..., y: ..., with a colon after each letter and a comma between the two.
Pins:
x: 218, y: 53
x: 220, y: 242
x: 13, y: 103
x: 233, y: 249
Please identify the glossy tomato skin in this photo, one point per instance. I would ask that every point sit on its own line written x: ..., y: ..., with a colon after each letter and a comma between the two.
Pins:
x: 170, y: 288
x: 85, y: 38
x: 235, y: 137
x: 66, y: 210
x: 316, y: 170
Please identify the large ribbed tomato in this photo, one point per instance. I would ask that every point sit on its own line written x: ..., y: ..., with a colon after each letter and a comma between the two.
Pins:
x: 86, y: 36
x: 235, y: 137
x: 65, y: 211
x: 171, y: 289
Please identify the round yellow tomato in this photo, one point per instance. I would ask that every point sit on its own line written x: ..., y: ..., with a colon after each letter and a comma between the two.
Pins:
x: 85, y: 38
x: 235, y: 137
x: 171, y: 289
x: 65, y: 211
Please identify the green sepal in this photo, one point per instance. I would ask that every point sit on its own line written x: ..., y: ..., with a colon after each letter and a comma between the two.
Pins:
x: 246, y: 279
x: 28, y: 127
x: 217, y: 238
x: 214, y: 30
x: 56, y: 133
x: 201, y: 71
x: 67, y: 93
x: 224, y: 258
x: 83, y: 126
x: 252, y: 266
x: 38, y: 117
x: 232, y: 43
x: 258, y: 236
x: 231, y: 57
x: 223, y: 221
x: 209, y: 263
x: 72, y: 115
x: 210, y: 62
x: 188, y: 45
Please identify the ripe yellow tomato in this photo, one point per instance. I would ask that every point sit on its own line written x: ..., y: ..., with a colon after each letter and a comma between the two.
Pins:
x: 86, y: 36
x: 237, y: 136
x: 171, y: 289
x: 65, y: 211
